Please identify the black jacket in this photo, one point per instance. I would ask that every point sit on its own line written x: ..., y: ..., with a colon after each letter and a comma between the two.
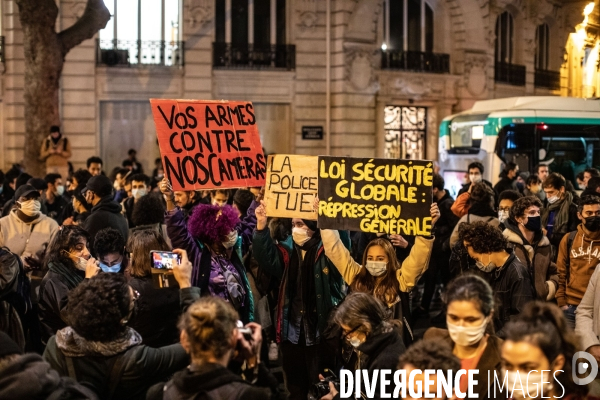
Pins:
x: 105, y: 214
x: 379, y: 352
x: 215, y: 382
x: 465, y: 188
x: 155, y: 305
x: 445, y: 225
x: 512, y: 290
x: 30, y: 377
x: 504, y: 184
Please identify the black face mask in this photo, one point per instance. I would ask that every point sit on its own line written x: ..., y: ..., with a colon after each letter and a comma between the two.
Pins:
x: 534, y: 224
x: 592, y: 224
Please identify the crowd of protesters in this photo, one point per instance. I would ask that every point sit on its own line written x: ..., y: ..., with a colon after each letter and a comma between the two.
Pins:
x: 86, y: 316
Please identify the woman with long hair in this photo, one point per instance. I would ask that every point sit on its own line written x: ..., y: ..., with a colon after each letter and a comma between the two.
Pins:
x: 539, y: 351
x: 154, y: 304
x: 381, y: 274
x: 69, y: 261
x: 470, y: 306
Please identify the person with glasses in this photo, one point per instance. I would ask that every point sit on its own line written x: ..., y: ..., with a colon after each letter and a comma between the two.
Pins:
x: 497, y: 263
x: 578, y: 256
x: 531, y: 246
x: 365, y: 325
x: 505, y: 202
x: 100, y: 348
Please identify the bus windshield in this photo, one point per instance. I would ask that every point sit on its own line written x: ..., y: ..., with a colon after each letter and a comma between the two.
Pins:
x: 467, y: 130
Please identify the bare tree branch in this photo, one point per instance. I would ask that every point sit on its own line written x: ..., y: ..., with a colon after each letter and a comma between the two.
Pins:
x: 94, y: 18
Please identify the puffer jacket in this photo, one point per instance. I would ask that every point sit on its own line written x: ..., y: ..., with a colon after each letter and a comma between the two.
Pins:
x: 537, y: 258
x: 582, y: 258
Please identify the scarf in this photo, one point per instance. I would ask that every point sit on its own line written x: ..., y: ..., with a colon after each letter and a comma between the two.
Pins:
x: 55, y: 141
x: 74, y: 345
x: 71, y: 276
x: 306, y: 266
x: 562, y: 214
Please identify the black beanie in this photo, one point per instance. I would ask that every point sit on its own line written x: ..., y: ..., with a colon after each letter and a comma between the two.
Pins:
x: 8, y: 346
x: 312, y: 225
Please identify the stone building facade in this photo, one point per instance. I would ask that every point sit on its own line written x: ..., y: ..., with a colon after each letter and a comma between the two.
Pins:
x: 395, y: 69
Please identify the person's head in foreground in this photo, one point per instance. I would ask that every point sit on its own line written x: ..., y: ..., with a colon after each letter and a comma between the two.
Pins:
x: 361, y: 316
x: 428, y: 355
x: 109, y: 247
x: 537, y: 354
x: 485, y: 244
x: 99, y: 310
x: 470, y: 303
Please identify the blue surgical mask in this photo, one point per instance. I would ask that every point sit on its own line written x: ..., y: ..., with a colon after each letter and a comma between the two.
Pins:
x: 114, y: 269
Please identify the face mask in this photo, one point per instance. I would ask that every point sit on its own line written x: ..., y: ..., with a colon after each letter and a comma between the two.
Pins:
x: 31, y: 208
x: 300, y: 236
x: 114, y: 269
x: 138, y: 193
x: 81, y: 263
x: 520, y: 187
x: 582, y: 186
x: 592, y: 224
x: 552, y: 200
x: 502, y: 215
x: 467, y: 335
x: 376, y: 268
x: 231, y: 240
x: 534, y: 224
x: 116, y: 185
x: 354, y: 342
x: 475, y: 178
x: 216, y: 203
x: 60, y: 190
x: 531, y: 383
x: 485, y: 268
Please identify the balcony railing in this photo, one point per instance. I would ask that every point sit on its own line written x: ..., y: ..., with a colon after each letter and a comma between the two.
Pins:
x: 236, y: 56
x: 416, y: 61
x: 547, y: 79
x: 510, y: 73
x: 139, y: 53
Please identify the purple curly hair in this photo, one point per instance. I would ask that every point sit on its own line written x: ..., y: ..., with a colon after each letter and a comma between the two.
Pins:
x: 206, y: 227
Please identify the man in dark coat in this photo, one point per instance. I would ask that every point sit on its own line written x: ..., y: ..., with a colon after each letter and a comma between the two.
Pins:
x: 106, y: 213
x: 508, y: 179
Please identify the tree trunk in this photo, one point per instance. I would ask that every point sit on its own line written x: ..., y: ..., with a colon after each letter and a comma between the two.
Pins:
x: 45, y: 52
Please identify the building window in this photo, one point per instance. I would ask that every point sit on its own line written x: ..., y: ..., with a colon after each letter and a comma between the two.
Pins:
x: 145, y: 33
x: 408, y: 25
x: 504, y: 38
x: 542, y: 49
x: 252, y: 34
x: 405, y: 132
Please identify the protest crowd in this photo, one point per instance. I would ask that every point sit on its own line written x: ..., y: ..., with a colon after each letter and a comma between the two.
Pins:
x: 262, y: 307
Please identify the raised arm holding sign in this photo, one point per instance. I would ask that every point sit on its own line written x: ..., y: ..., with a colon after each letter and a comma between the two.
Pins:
x: 209, y: 144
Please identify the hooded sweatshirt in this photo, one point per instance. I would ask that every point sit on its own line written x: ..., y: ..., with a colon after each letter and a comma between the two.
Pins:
x: 537, y: 257
x: 30, y: 377
x: 105, y: 214
x: 584, y: 255
x: 25, y: 238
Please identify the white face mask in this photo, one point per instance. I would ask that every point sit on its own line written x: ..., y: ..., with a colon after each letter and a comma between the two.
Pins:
x: 81, y: 263
x: 138, y: 193
x: 475, y: 178
x: 300, y: 236
x: 552, y: 200
x: 60, y: 190
x: 502, y: 216
x: 376, y: 268
x: 231, y: 240
x: 354, y: 342
x: 31, y: 208
x: 467, y: 335
x: 531, y: 383
x: 217, y: 203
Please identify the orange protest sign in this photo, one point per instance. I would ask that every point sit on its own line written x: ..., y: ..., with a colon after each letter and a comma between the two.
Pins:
x: 209, y: 144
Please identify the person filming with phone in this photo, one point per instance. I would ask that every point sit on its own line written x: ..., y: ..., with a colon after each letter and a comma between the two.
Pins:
x: 218, y: 346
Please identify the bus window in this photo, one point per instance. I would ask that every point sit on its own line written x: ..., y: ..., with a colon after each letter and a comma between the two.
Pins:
x: 516, y: 143
x: 570, y: 149
x: 466, y: 131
